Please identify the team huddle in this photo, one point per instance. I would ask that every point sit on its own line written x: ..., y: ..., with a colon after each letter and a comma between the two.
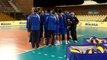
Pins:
x: 55, y: 24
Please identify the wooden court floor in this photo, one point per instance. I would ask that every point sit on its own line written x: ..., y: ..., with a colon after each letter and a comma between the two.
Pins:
x: 14, y: 40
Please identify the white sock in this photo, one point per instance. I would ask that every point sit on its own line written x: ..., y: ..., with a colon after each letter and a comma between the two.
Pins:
x: 56, y: 43
x: 60, y: 42
x: 66, y: 42
x: 44, y: 41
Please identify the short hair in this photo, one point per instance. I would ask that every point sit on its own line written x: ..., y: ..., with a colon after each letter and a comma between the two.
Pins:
x: 59, y: 10
x: 36, y: 10
x: 56, y: 9
x: 48, y: 10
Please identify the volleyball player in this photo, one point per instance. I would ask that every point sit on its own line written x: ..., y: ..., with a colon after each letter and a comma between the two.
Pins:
x: 51, y: 21
x: 68, y: 17
x: 57, y: 42
x: 28, y: 25
x: 62, y: 29
x: 46, y: 14
x: 35, y: 28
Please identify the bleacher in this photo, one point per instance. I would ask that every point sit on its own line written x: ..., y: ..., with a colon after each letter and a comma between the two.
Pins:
x: 95, y: 18
x: 7, y: 7
x: 4, y: 17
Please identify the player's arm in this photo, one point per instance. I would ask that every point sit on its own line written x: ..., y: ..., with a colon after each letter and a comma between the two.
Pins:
x: 77, y: 21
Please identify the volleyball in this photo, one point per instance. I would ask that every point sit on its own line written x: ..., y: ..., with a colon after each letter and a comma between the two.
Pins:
x: 100, y: 49
x: 75, y: 51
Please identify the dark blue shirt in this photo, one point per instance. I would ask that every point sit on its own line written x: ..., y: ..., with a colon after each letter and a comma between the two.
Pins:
x: 35, y: 22
x: 45, y: 19
x: 51, y: 21
x: 62, y: 21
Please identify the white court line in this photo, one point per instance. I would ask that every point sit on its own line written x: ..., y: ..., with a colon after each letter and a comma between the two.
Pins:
x: 39, y: 53
x: 64, y: 55
x: 45, y: 54
x: 52, y: 55
x: 79, y: 35
x: 30, y: 50
x: 60, y: 57
x: 33, y: 49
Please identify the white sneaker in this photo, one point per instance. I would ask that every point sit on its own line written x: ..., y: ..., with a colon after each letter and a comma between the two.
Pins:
x: 75, y: 41
x: 56, y: 43
x: 66, y: 42
x: 60, y: 42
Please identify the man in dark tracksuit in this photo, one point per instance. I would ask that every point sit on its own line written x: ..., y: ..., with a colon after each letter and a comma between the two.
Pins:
x: 73, y: 24
x: 35, y: 28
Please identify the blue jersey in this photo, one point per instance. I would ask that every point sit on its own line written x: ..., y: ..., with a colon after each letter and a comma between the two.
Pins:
x: 51, y: 21
x: 57, y: 20
x: 35, y: 22
x: 68, y: 16
x: 57, y: 25
x: 45, y: 19
x: 62, y: 21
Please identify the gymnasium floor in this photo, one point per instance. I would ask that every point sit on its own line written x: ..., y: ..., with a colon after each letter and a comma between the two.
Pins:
x: 14, y: 44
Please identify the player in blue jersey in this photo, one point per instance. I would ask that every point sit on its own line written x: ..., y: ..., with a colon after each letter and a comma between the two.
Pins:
x: 68, y: 17
x: 62, y: 29
x: 28, y: 25
x: 51, y: 21
x: 46, y: 14
x: 35, y: 28
x: 57, y: 42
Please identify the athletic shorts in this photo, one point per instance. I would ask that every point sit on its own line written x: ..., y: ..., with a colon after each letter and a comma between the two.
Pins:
x: 62, y: 31
x: 57, y: 31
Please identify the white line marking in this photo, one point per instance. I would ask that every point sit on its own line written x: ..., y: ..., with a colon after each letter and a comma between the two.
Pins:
x: 29, y: 51
x: 64, y: 55
x: 52, y: 55
x: 45, y: 54
x: 33, y: 51
x: 60, y: 57
x: 39, y: 53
